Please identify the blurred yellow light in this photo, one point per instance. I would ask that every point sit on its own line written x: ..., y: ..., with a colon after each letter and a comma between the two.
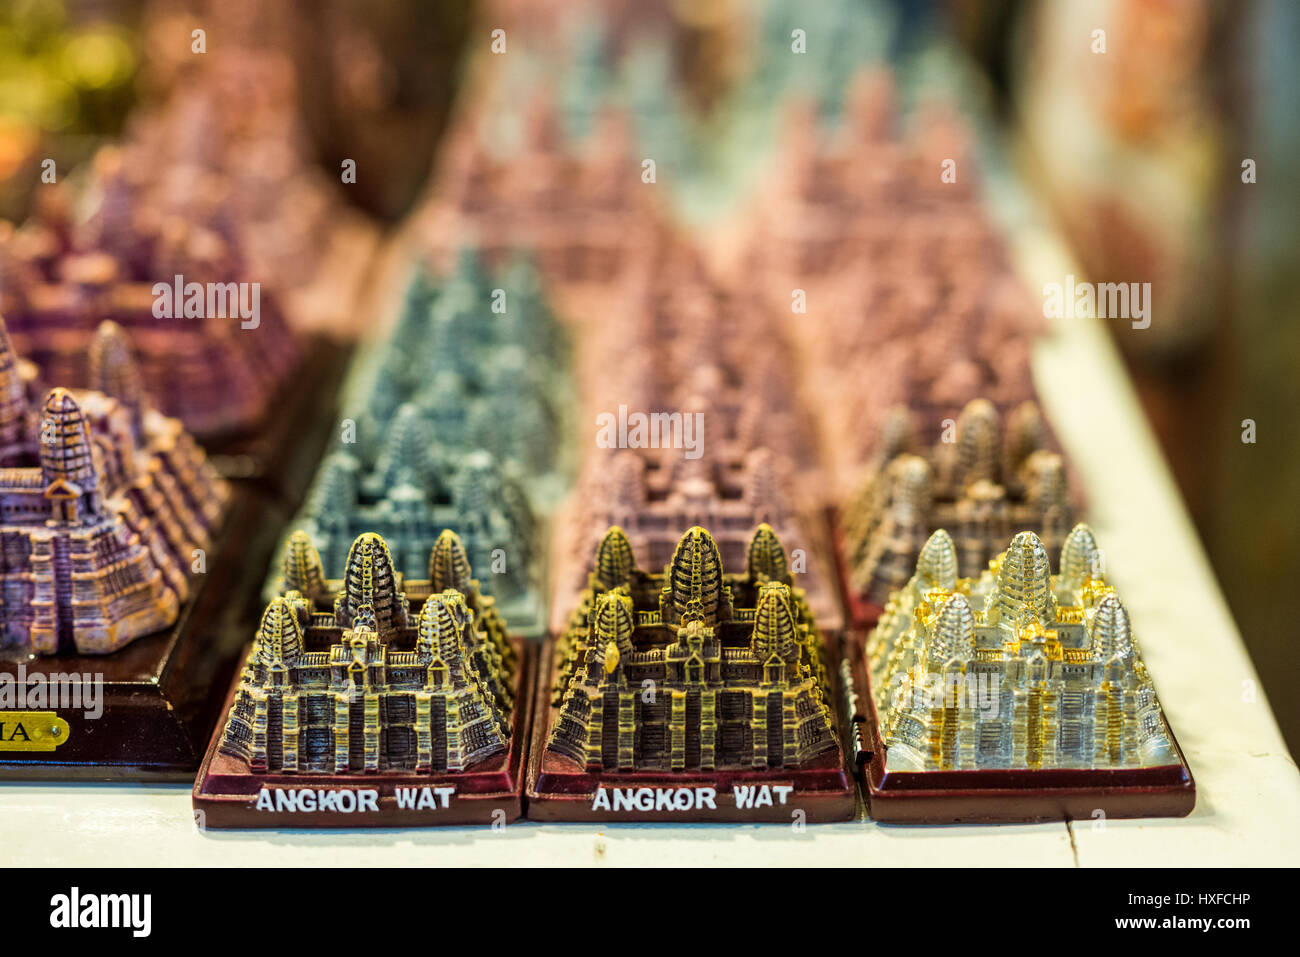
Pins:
x: 32, y: 18
x: 97, y: 59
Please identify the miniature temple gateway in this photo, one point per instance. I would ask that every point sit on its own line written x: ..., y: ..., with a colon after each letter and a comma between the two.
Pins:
x: 103, y: 504
x: 694, y: 694
x: 375, y: 683
x: 976, y: 485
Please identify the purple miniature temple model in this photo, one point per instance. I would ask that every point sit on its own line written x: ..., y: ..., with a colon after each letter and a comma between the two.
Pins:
x: 105, y: 506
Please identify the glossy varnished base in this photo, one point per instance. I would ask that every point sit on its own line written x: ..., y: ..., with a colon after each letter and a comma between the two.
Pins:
x: 1003, y: 796
x: 227, y: 794
x: 158, y: 705
x: 560, y: 790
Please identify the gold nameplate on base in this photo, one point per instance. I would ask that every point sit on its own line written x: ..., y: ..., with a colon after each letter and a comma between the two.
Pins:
x: 31, y: 731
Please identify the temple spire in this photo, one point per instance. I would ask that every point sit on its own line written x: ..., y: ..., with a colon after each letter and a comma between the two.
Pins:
x: 370, y: 582
x: 302, y: 567
x: 1112, y: 636
x: 1024, y: 581
x: 766, y: 560
x: 774, y: 624
x: 67, y: 459
x: 954, y: 632
x: 695, y: 578
x: 115, y: 372
x: 279, y: 639
x: 977, y: 442
x: 1080, y: 558
x: 936, y: 566
x: 449, y: 565
x: 15, y: 417
x: 615, y: 562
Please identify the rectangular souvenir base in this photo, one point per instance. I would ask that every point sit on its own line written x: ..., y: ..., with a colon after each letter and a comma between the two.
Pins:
x: 1005, y: 796
x: 157, y: 703
x: 229, y: 795
x: 559, y: 790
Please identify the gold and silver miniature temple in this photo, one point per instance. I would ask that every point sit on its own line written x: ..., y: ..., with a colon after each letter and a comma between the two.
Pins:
x: 691, y: 669
x: 1014, y: 669
x: 375, y: 672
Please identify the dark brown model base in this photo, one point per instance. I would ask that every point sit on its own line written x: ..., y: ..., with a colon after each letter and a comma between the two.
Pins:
x: 560, y: 790
x: 227, y: 794
x: 157, y: 707
x: 1004, y: 797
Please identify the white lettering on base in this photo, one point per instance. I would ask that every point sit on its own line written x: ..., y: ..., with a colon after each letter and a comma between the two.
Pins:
x: 310, y: 800
x: 655, y: 799
x: 761, y: 795
x: 424, y: 799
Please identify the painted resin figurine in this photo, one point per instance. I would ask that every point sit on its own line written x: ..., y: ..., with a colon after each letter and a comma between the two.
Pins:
x: 1014, y: 669
x: 1015, y: 695
x: 375, y: 672
x: 213, y: 350
x: 694, y: 694
x: 373, y: 700
x: 976, y: 484
x: 461, y: 427
x: 104, y: 506
x: 736, y: 660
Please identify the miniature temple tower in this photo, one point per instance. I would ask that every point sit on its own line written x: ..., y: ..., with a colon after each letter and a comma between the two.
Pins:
x: 371, y: 686
x: 101, y: 506
x: 732, y: 663
x: 114, y: 371
x: 979, y: 486
x: 68, y: 468
x: 15, y: 417
x: 1018, y: 668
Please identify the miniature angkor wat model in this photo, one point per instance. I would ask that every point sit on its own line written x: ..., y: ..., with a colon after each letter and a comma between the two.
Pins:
x: 703, y: 427
x: 584, y: 212
x: 734, y: 662
x: 973, y: 483
x: 103, y: 504
x: 375, y: 672
x: 649, y: 499
x: 909, y: 289
x: 227, y: 146
x: 466, y: 402
x: 174, y: 282
x: 1015, y: 669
